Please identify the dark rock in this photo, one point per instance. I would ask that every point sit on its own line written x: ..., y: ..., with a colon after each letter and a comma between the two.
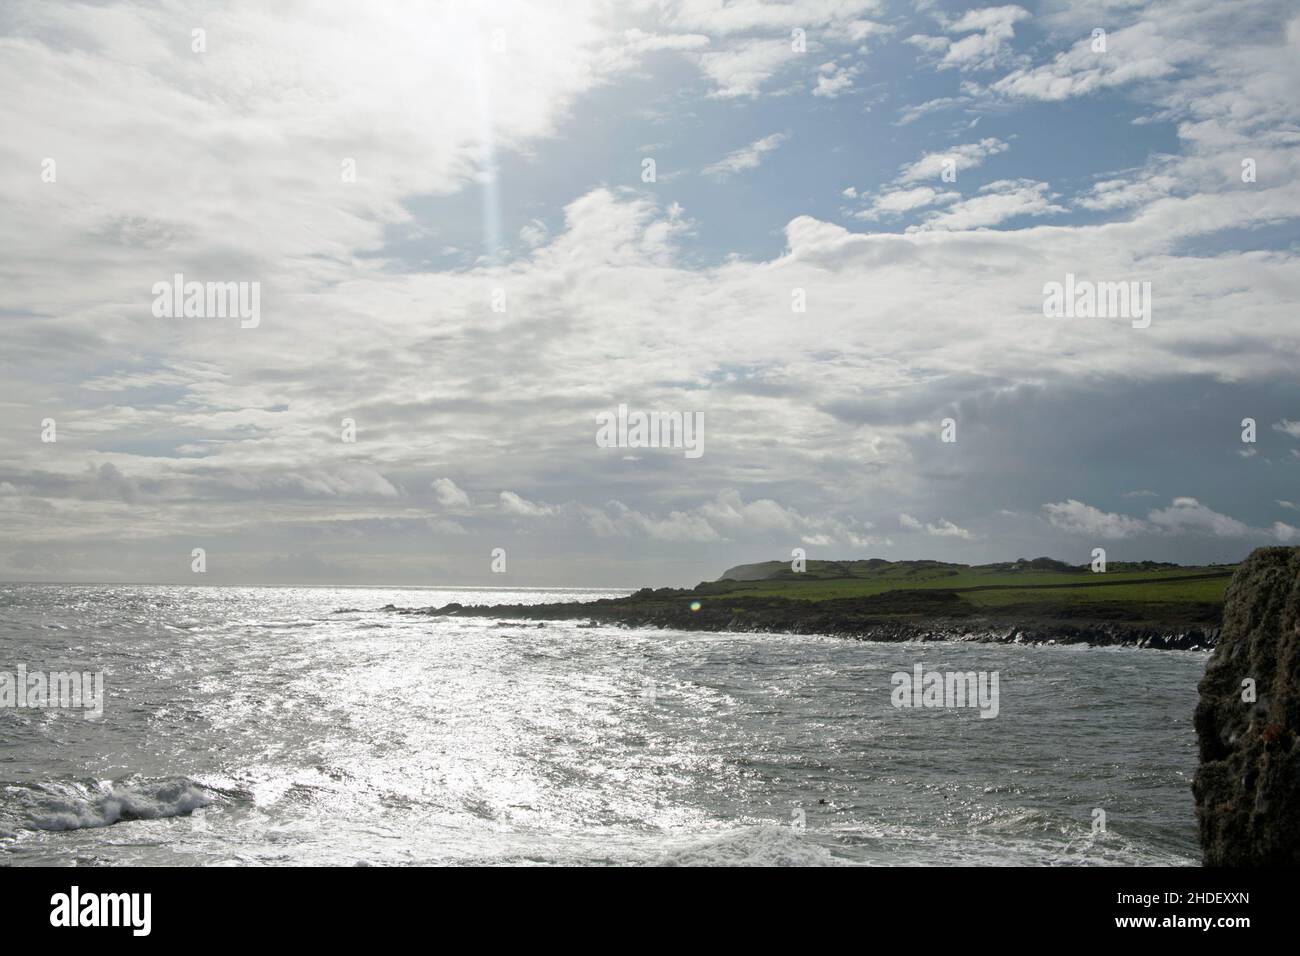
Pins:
x: 1247, y: 787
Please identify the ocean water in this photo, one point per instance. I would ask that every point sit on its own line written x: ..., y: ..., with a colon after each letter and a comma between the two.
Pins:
x: 268, y: 726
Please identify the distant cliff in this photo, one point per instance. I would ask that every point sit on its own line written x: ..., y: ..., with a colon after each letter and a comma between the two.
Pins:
x: 1247, y: 787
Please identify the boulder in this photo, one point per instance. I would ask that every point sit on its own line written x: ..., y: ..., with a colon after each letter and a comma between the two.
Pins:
x: 1247, y: 787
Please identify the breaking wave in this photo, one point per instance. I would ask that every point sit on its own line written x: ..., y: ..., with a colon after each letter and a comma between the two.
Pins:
x: 72, y: 805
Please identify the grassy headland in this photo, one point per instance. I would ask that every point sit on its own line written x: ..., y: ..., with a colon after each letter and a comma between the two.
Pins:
x: 1146, y: 603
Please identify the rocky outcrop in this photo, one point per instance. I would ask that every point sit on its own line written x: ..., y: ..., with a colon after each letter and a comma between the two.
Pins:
x: 863, y: 619
x: 1247, y: 787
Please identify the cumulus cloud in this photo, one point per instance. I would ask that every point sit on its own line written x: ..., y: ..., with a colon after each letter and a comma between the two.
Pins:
x: 1184, y: 516
x: 833, y: 80
x: 449, y: 495
x: 1078, y: 518
x: 1139, y: 52
x: 977, y: 40
x: 1188, y: 514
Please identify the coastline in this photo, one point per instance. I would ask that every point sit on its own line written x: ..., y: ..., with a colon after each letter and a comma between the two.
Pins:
x: 853, y: 619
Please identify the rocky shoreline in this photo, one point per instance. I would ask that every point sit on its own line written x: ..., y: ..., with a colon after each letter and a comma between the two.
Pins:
x: 1247, y: 787
x: 838, y: 619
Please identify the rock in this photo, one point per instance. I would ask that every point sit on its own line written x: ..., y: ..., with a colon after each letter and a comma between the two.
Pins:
x: 1247, y: 787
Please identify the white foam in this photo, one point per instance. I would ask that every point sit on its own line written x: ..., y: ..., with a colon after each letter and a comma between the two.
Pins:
x: 75, y: 807
x: 764, y: 845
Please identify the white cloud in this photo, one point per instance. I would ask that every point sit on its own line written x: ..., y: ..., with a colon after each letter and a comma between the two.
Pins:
x: 1078, y: 518
x: 449, y: 495
x: 997, y: 202
x: 743, y: 68
x: 964, y: 157
x: 747, y: 157
x: 1124, y: 193
x: 533, y: 233
x: 1285, y: 533
x: 833, y: 79
x: 1188, y: 514
x: 897, y: 201
x: 1183, y: 516
x: 212, y: 431
x: 512, y: 503
x: 1139, y: 52
x: 942, y: 529
x: 720, y: 17
x: 987, y: 33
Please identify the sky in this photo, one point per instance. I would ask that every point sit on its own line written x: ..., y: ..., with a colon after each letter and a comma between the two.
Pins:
x: 826, y: 230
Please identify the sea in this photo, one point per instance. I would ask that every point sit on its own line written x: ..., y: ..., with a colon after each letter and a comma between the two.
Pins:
x: 283, y: 726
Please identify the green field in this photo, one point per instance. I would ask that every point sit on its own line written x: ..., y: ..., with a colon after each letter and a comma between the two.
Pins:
x: 1040, y: 589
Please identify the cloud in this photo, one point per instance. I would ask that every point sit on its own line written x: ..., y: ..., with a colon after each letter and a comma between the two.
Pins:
x: 1137, y: 53
x: 1183, y: 516
x: 1188, y: 514
x: 943, y: 529
x: 221, y: 434
x: 899, y: 199
x: 987, y: 33
x: 512, y: 503
x: 449, y: 495
x: 742, y: 69
x: 747, y: 157
x: 1076, y: 517
x: 910, y: 114
x: 725, y: 517
x: 964, y: 157
x: 833, y: 79
x: 1124, y: 193
x: 533, y: 233
x: 629, y: 49
x: 753, y: 42
x: 720, y: 18
x: 997, y: 202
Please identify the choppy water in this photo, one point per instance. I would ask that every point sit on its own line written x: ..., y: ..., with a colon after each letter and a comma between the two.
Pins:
x: 255, y: 725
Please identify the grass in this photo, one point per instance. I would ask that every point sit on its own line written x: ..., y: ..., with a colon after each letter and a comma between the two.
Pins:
x: 1038, y: 590
x: 820, y: 587
x: 1207, y: 591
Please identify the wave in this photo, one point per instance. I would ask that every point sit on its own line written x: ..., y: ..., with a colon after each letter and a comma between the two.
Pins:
x: 72, y: 805
x: 764, y: 845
